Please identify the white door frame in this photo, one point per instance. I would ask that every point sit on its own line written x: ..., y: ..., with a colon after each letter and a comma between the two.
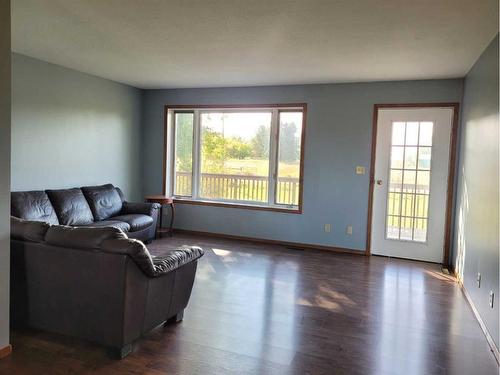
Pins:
x: 451, y: 170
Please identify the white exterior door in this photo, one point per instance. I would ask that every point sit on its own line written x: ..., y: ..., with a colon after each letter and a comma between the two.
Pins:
x: 411, y: 182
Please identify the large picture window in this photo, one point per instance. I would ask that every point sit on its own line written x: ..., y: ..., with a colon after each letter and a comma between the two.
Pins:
x: 249, y: 156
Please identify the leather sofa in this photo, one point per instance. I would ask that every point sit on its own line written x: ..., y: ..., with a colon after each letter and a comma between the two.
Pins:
x: 95, y: 283
x: 89, y: 206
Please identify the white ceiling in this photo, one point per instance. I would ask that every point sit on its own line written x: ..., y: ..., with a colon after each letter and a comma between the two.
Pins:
x: 201, y: 43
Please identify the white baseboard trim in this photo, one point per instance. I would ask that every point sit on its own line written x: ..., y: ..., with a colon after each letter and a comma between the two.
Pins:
x: 490, y: 340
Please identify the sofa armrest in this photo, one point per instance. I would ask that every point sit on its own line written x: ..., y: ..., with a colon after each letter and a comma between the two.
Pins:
x: 176, y: 259
x: 152, y: 266
x: 150, y: 209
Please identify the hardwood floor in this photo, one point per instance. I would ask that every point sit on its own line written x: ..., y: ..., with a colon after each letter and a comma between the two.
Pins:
x: 264, y: 309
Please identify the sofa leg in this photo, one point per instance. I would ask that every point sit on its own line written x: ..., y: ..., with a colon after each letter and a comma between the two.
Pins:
x: 120, y: 353
x: 176, y: 318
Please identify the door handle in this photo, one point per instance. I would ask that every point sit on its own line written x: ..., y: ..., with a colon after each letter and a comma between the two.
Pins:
x: 379, y: 182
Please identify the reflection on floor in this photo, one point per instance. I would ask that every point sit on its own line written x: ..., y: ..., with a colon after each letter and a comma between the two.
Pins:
x: 265, y: 309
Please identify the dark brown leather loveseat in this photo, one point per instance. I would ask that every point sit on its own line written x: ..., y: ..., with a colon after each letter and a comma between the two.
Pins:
x: 95, y: 283
x: 95, y: 206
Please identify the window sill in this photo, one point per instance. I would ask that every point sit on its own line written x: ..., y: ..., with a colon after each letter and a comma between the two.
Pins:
x: 297, y: 210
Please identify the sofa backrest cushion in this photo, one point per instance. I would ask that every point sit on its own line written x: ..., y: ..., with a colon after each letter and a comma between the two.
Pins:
x: 24, y: 230
x: 71, y: 206
x: 104, y: 201
x: 81, y: 237
x: 32, y: 205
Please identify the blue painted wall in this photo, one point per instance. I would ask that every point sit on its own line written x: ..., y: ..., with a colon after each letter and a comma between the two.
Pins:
x: 73, y: 129
x: 338, y: 138
x: 476, y: 245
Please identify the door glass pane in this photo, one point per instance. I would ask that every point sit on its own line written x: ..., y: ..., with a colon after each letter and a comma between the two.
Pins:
x: 411, y: 134
x: 397, y: 154
x: 183, y: 154
x: 393, y: 227
x: 287, y: 184
x: 424, y: 158
x: 423, y: 182
x: 410, y: 158
x: 398, y: 134
x: 425, y: 136
x: 407, y: 205
x: 394, y: 206
x: 396, y: 180
x: 409, y: 181
x: 406, y: 228
x: 421, y: 205
x: 235, y: 155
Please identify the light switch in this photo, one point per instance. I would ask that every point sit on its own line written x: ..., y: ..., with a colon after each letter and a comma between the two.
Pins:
x: 360, y: 170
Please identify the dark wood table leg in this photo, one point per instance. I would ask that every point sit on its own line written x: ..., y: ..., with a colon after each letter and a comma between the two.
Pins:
x: 158, y: 232
x: 171, y: 228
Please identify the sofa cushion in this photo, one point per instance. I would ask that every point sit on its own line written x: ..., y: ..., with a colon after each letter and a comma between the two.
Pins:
x: 104, y: 201
x: 24, y: 230
x: 136, y: 221
x: 109, y: 223
x: 32, y: 205
x: 81, y: 237
x: 71, y: 206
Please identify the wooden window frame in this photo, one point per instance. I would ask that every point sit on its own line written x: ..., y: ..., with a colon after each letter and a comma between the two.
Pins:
x: 169, y: 149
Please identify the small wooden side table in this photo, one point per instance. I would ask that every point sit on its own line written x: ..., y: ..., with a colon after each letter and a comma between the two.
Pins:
x: 163, y: 200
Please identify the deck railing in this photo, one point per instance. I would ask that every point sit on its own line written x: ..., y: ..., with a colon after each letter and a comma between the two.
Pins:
x: 239, y: 187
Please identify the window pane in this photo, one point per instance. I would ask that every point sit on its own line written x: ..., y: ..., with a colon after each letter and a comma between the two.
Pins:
x: 393, y: 204
x: 397, y: 157
x: 411, y: 133
x: 290, y: 131
x: 424, y: 158
x: 421, y: 205
x: 410, y: 158
x: 406, y: 228
x: 409, y: 181
x: 183, y: 153
x: 410, y: 153
x: 393, y: 227
x: 235, y: 155
x: 396, y: 180
x: 426, y: 134
x: 407, y: 204
x: 398, y: 133
x: 423, y: 182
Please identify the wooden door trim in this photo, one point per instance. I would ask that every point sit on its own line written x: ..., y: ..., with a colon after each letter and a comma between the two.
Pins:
x: 451, y: 170
x: 5, y: 351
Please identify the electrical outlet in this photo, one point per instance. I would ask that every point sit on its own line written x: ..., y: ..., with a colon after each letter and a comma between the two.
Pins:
x: 492, y: 298
x: 348, y: 230
x: 478, y: 280
x: 328, y: 228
